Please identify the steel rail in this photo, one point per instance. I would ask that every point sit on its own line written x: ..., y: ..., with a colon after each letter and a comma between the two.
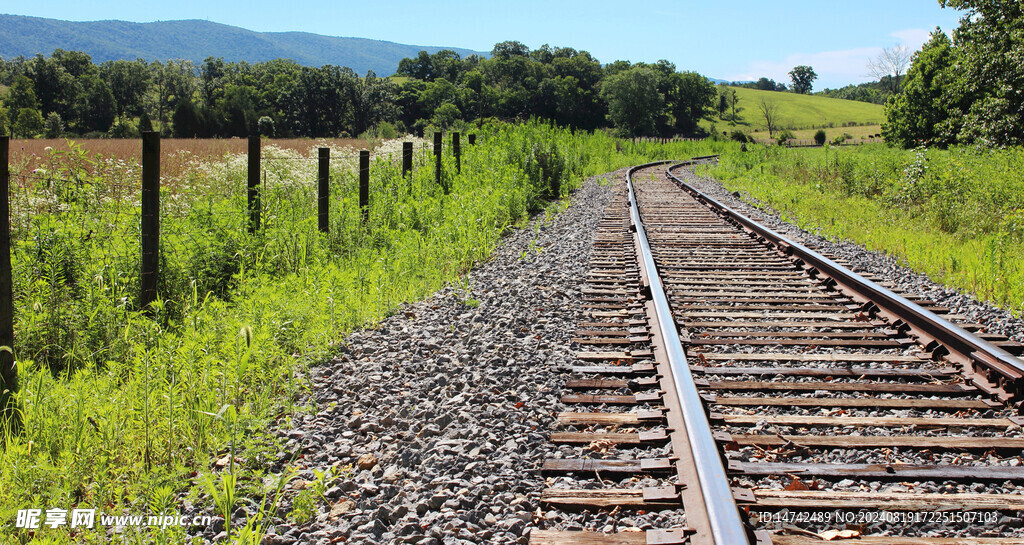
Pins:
x: 727, y: 527
x: 992, y: 363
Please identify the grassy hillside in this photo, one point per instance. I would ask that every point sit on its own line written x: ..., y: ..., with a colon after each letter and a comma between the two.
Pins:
x: 196, y: 40
x: 802, y: 112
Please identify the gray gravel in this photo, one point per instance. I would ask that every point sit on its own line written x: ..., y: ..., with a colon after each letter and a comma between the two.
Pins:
x: 447, y: 405
x: 453, y: 397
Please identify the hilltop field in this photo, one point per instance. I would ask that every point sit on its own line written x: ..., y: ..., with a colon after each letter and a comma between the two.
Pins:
x: 803, y: 115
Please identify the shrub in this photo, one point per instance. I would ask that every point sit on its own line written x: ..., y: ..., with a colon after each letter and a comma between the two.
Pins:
x: 784, y: 136
x: 124, y: 127
x: 266, y: 126
x: 739, y: 136
x: 819, y: 137
x: 54, y: 126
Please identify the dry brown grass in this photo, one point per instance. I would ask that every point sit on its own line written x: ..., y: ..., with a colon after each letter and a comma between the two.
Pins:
x: 27, y: 154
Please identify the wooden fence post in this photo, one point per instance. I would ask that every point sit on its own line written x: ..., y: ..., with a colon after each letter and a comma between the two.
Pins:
x: 437, y: 160
x: 364, y: 184
x: 8, y: 373
x: 254, y: 184
x: 150, y: 276
x: 406, y: 158
x: 323, y: 201
x: 407, y: 163
x: 457, y: 150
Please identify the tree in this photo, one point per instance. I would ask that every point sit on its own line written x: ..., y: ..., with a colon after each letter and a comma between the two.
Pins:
x: 690, y: 97
x: 988, y: 75
x: 890, y: 65
x: 820, y: 137
x: 633, y: 100
x: 921, y: 113
x: 96, y: 108
x: 445, y: 116
x: 128, y: 81
x: 373, y: 102
x: 803, y: 76
x: 505, y: 50
x: 188, y: 120
x: 22, y: 94
x: 28, y: 123
x: 734, y: 99
x: 770, y: 112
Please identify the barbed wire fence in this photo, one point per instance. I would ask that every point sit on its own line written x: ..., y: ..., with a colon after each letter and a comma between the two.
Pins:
x: 82, y: 231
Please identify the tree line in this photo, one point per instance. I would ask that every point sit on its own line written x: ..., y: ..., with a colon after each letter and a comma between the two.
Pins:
x: 968, y: 89
x: 67, y: 94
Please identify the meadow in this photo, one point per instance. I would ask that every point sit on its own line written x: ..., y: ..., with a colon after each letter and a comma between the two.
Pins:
x: 801, y: 114
x: 956, y: 215
x: 135, y: 412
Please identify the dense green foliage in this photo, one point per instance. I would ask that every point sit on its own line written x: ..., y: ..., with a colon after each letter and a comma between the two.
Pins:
x: 956, y: 215
x: 219, y: 98
x: 875, y: 92
x: 969, y: 90
x: 762, y: 84
x: 121, y: 411
x: 195, y: 40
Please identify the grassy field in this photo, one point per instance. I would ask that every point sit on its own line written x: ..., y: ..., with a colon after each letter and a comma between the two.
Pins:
x: 956, y: 215
x: 800, y: 113
x: 127, y: 412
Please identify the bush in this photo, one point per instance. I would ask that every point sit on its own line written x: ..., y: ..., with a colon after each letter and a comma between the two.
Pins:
x: 266, y: 126
x: 784, y: 136
x: 145, y: 123
x: 54, y: 126
x: 819, y: 137
x: 739, y: 136
x: 124, y: 127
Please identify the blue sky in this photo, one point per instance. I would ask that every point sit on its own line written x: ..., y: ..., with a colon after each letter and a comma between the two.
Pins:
x: 738, y: 39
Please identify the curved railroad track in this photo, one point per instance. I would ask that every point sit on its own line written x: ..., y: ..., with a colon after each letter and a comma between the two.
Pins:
x: 753, y: 391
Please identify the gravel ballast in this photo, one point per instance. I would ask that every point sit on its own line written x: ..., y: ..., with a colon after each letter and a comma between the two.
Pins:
x: 447, y: 405
x: 443, y: 410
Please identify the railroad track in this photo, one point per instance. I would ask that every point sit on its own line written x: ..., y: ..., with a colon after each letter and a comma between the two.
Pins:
x: 750, y: 390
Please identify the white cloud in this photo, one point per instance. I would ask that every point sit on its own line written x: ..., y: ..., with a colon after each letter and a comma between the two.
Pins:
x: 913, y: 38
x: 834, y: 68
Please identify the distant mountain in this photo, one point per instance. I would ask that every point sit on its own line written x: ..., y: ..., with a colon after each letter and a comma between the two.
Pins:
x: 196, y: 40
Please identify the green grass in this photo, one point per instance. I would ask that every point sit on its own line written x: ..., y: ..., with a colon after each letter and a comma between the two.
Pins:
x: 956, y: 215
x: 798, y: 112
x: 128, y: 413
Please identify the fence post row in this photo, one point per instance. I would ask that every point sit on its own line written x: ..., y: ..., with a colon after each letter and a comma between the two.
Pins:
x: 457, y: 150
x: 437, y: 160
x: 324, y: 193
x: 254, y: 184
x: 8, y: 373
x: 364, y: 184
x: 150, y: 276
